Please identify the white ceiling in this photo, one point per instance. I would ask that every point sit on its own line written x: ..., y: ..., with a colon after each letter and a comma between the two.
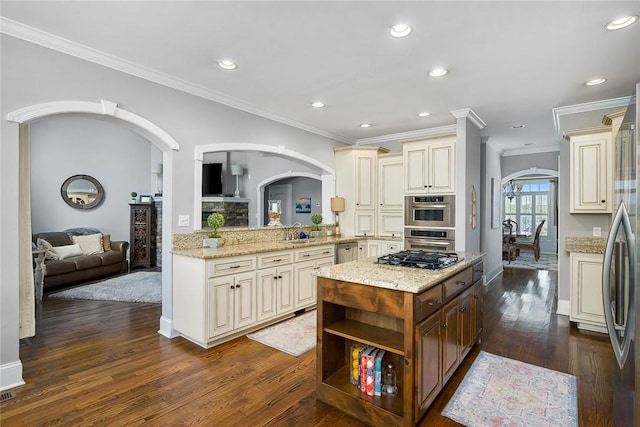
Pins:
x: 510, y: 62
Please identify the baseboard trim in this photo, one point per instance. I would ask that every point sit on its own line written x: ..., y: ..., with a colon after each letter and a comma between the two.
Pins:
x: 11, y: 375
x: 564, y: 307
x: 493, y: 274
x: 166, y: 328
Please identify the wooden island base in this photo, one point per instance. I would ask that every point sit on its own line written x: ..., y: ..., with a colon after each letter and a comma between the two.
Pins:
x: 425, y: 336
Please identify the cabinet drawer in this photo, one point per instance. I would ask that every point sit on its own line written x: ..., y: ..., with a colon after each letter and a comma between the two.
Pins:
x: 458, y: 283
x: 230, y: 266
x: 391, y: 247
x: 315, y: 253
x: 478, y: 271
x: 427, y: 303
x: 273, y: 259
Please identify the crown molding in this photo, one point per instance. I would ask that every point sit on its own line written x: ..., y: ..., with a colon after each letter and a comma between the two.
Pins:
x: 586, y: 107
x: 469, y: 114
x: 33, y: 35
x: 393, y: 137
x: 536, y: 150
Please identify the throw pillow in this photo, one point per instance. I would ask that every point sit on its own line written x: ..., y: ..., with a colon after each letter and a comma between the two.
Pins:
x: 43, y: 244
x: 106, y: 242
x: 67, y: 251
x: 90, y: 244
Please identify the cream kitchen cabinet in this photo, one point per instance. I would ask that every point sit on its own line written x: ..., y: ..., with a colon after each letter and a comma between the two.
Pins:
x: 383, y: 247
x: 390, y: 197
x: 275, y: 284
x: 363, y: 249
x: 356, y: 181
x: 429, y: 166
x: 307, y: 262
x: 232, y: 303
x: 591, y: 171
x: 585, y: 278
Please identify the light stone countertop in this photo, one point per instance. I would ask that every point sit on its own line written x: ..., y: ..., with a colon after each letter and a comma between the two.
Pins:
x: 585, y: 245
x: 368, y: 272
x: 255, y: 248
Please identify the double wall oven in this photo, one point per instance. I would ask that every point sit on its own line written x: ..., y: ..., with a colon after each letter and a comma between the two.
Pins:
x: 429, y: 223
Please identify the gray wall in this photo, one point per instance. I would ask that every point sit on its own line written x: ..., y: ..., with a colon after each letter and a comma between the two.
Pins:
x: 491, y: 238
x: 189, y: 119
x: 115, y: 156
x: 304, y: 187
x: 512, y: 164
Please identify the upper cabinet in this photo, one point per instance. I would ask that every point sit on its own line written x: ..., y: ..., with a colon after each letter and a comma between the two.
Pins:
x: 357, y: 182
x: 390, y: 195
x: 591, y: 166
x: 429, y: 166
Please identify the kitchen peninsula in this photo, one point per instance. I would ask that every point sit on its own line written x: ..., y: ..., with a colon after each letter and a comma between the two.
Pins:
x: 425, y: 320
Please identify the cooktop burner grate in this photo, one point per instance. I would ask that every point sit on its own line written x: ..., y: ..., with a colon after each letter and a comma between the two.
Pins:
x: 420, y: 259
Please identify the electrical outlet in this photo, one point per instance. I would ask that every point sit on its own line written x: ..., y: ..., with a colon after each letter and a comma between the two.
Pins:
x: 183, y: 220
x: 597, y: 232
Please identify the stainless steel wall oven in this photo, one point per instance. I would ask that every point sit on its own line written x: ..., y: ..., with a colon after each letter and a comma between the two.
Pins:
x: 429, y: 211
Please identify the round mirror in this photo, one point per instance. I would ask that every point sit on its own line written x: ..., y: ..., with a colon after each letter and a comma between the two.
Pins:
x: 82, y: 192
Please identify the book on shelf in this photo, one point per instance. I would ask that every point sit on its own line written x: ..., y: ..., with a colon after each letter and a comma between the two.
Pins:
x: 371, y: 371
x: 365, y: 357
x: 377, y: 366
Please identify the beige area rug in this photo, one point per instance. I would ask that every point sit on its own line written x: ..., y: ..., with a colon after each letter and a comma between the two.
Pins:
x: 497, y: 391
x: 295, y: 336
x: 142, y: 286
x: 526, y: 260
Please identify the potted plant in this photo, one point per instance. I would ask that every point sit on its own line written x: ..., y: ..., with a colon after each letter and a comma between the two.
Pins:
x: 134, y: 196
x: 214, y: 221
x: 315, y: 229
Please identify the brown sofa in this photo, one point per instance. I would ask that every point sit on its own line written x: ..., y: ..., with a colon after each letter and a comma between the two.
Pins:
x: 83, y: 268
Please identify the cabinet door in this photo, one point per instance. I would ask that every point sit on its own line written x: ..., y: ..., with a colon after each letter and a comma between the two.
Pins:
x: 366, y: 180
x: 450, y: 342
x: 220, y: 295
x: 390, y: 224
x: 374, y: 248
x: 390, y: 174
x: 441, y: 168
x: 466, y: 322
x: 266, y: 293
x: 590, y: 183
x: 477, y: 310
x: 415, y: 164
x: 365, y: 223
x: 586, y: 289
x: 244, y: 300
x: 363, y: 250
x: 305, y: 283
x: 428, y: 362
x: 284, y: 299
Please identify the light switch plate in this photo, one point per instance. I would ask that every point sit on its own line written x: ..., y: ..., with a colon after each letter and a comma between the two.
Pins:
x: 597, y: 232
x: 183, y: 220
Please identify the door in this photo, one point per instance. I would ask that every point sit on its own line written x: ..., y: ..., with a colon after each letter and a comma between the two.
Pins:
x: 429, y: 362
x: 304, y: 283
x: 280, y: 192
x: 266, y: 293
x: 244, y: 300
x: 220, y: 293
x: 284, y: 299
x: 451, y: 344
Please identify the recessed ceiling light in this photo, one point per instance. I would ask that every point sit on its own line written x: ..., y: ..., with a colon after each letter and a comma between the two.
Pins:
x: 227, y: 65
x: 317, y: 104
x: 400, y: 30
x: 424, y: 114
x: 365, y: 125
x: 595, y: 82
x: 517, y: 126
x: 620, y: 23
x: 438, y: 72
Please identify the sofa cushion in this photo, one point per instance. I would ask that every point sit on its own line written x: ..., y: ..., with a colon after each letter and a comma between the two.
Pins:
x: 111, y: 257
x: 90, y: 244
x: 55, y: 267
x: 106, y: 242
x: 46, y: 246
x: 67, y: 251
x: 86, y: 262
x: 56, y: 238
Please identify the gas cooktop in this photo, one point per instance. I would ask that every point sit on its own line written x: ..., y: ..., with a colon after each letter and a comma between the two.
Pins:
x: 420, y: 259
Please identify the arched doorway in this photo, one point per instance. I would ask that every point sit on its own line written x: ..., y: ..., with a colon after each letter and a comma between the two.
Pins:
x: 107, y: 110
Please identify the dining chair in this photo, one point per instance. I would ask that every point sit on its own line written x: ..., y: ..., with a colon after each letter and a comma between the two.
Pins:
x: 533, y: 245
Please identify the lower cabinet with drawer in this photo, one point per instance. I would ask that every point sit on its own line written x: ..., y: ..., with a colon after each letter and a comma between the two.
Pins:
x: 220, y: 299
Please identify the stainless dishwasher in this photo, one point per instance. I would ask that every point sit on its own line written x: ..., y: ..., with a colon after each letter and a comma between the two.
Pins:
x: 346, y: 252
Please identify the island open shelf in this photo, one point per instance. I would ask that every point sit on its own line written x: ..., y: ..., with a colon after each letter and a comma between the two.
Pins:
x: 363, y: 333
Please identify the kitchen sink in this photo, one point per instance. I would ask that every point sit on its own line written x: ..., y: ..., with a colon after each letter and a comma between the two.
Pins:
x: 298, y: 241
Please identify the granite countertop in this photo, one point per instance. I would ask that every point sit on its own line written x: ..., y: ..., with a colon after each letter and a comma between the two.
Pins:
x: 585, y: 245
x: 368, y: 272
x: 255, y: 248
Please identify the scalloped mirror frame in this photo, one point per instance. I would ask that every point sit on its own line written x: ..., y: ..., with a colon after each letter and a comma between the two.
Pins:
x: 99, y: 194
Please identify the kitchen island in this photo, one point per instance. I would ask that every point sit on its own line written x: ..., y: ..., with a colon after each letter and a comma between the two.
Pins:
x: 426, y: 321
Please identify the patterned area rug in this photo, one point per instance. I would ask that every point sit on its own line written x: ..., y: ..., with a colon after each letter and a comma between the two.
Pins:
x: 503, y: 392
x: 526, y: 260
x: 142, y: 286
x: 294, y: 336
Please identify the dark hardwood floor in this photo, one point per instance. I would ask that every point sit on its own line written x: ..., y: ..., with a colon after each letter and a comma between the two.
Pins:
x: 103, y: 363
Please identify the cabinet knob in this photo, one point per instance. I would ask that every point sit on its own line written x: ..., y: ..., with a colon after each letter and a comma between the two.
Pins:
x: 381, y: 204
x: 461, y: 283
x: 279, y: 277
x: 238, y: 286
x: 444, y: 325
x: 603, y: 201
x: 233, y: 287
x: 463, y: 309
x: 275, y: 277
x: 357, y: 204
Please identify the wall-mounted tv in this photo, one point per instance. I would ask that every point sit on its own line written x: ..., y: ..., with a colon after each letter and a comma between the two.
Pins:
x: 211, y: 179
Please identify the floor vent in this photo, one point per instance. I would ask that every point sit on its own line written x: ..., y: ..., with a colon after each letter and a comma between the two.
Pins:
x: 6, y: 395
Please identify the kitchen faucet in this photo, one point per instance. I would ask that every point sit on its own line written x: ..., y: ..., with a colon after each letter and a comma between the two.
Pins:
x: 298, y: 232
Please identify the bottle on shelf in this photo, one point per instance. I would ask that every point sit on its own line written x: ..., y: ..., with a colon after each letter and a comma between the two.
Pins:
x: 389, y: 381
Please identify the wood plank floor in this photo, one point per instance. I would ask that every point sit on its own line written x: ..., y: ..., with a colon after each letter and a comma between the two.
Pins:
x: 103, y: 363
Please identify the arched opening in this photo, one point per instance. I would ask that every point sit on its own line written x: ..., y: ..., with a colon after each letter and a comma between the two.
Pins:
x: 262, y: 186
x: 107, y: 110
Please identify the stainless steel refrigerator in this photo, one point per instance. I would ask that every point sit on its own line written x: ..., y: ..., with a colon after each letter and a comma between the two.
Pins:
x: 621, y: 274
